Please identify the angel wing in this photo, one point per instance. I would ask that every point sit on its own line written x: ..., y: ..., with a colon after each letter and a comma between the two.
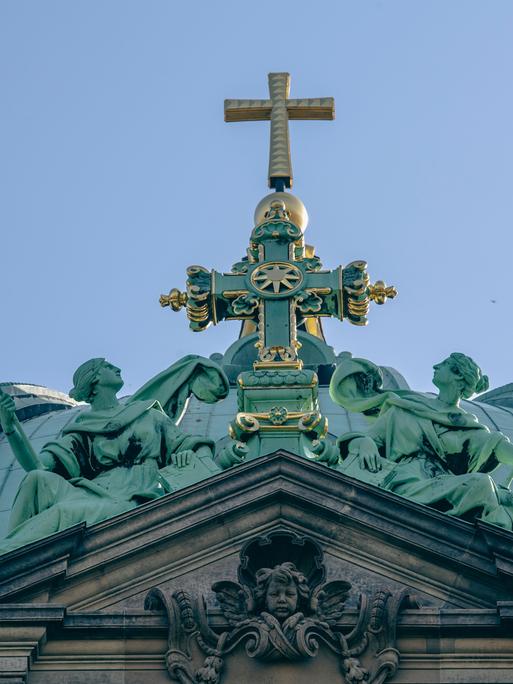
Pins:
x: 233, y: 599
x: 329, y: 600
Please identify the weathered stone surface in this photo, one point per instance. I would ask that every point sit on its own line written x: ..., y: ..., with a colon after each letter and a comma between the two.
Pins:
x: 72, y: 605
x: 182, y: 534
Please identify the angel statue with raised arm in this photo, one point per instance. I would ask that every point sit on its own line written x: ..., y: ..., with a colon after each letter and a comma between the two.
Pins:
x: 115, y: 455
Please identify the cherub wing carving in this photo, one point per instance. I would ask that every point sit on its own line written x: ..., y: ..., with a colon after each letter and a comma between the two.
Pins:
x: 328, y: 601
x: 234, y: 599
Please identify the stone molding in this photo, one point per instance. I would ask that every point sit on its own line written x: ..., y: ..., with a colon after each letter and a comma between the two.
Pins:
x: 20, y: 621
x: 278, y: 490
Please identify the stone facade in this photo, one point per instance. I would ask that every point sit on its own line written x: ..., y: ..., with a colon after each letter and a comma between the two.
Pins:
x: 427, y: 598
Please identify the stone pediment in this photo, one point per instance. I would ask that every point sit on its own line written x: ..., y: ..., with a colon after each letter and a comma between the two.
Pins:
x: 146, y: 596
x: 192, y: 538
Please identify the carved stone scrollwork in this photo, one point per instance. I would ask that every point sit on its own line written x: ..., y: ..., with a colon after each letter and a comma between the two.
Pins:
x: 280, y: 610
x: 182, y: 628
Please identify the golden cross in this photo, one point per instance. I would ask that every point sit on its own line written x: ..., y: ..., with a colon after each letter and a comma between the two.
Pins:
x: 279, y: 109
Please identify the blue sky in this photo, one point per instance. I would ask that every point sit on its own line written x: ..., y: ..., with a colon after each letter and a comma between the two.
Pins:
x: 117, y: 172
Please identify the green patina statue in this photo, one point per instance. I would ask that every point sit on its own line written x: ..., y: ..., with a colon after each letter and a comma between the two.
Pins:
x: 426, y: 448
x: 114, y: 456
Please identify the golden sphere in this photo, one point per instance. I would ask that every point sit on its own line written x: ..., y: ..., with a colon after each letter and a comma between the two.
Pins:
x: 296, y: 208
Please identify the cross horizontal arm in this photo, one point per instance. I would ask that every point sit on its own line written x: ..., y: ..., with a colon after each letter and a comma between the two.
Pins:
x: 319, y: 109
x: 247, y: 110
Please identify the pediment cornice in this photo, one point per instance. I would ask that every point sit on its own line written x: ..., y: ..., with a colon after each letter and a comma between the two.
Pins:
x: 83, y: 568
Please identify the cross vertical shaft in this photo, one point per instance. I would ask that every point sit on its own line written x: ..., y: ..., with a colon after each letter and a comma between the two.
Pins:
x: 280, y: 165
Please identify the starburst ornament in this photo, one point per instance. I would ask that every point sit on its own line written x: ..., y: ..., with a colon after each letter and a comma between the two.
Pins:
x: 277, y: 278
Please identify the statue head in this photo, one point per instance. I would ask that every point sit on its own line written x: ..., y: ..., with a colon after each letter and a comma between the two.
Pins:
x: 93, y: 375
x: 281, y: 591
x: 463, y: 371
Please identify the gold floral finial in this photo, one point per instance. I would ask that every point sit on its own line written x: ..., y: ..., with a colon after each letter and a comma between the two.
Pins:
x: 379, y: 292
x: 175, y: 299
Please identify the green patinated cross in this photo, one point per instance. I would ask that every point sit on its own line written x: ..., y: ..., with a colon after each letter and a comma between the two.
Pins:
x: 274, y: 286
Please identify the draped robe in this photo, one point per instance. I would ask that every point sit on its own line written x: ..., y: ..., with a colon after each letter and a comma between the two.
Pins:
x: 435, y: 455
x: 106, y: 462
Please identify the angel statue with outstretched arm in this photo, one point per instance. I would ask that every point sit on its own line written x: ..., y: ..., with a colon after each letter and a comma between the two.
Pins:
x: 426, y: 448
x: 115, y: 455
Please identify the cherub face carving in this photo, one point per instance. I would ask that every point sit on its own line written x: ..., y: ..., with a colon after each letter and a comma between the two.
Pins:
x: 281, y: 598
x: 281, y: 591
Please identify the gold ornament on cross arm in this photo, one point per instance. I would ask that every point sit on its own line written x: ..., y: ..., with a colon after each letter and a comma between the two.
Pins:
x: 175, y: 299
x: 279, y: 110
x: 379, y: 292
